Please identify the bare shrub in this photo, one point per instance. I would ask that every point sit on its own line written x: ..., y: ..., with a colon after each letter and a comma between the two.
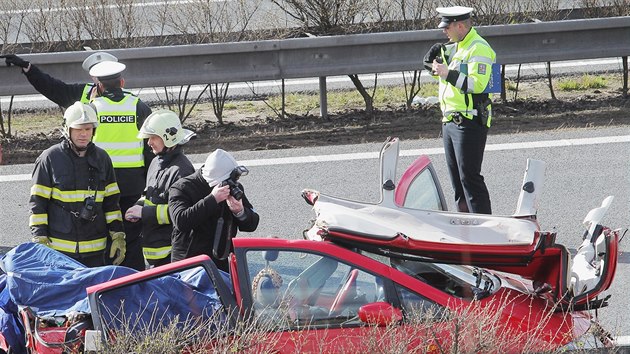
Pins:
x: 112, y: 23
x: 5, y: 120
x: 201, y: 21
x: 323, y: 17
x: 412, y: 88
x: 43, y: 24
x: 11, y: 22
x: 604, y: 8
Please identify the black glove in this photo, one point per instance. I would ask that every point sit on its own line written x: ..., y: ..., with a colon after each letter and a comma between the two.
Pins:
x: 15, y: 60
x: 433, y: 53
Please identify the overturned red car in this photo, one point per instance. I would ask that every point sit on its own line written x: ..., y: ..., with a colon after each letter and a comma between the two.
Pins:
x: 402, y: 272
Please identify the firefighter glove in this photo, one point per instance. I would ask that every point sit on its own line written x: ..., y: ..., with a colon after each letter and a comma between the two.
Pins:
x: 42, y: 240
x: 12, y: 59
x: 119, y: 247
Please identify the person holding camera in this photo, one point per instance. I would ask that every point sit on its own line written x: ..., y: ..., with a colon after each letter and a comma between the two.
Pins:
x: 166, y: 137
x: 464, y: 69
x: 74, y: 197
x: 208, y: 208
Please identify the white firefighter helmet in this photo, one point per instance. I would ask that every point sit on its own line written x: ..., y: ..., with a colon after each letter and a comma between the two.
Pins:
x: 165, y: 124
x: 96, y: 58
x: 78, y: 114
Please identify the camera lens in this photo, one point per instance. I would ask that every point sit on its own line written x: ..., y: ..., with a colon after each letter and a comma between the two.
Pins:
x: 236, y: 192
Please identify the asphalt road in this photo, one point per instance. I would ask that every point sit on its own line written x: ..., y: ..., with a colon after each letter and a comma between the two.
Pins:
x: 583, y: 167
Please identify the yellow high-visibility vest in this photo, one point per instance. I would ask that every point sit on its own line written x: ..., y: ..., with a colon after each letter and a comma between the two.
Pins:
x: 118, y: 130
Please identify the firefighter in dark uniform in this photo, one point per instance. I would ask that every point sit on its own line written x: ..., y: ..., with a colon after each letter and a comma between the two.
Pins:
x: 208, y: 208
x: 74, y: 198
x: 120, y: 117
x: 165, y: 135
x: 59, y: 92
x: 464, y: 67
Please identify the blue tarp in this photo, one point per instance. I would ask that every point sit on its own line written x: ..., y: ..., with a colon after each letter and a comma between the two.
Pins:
x: 53, y: 284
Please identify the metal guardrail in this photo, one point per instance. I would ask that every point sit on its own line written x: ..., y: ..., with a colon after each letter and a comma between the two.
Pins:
x: 331, y: 56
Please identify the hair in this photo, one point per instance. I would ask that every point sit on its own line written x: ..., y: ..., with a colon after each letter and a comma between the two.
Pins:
x: 111, y: 83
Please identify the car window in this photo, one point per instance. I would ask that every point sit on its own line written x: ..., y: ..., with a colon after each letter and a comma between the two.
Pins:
x: 293, y: 288
x: 417, y: 307
x: 422, y: 193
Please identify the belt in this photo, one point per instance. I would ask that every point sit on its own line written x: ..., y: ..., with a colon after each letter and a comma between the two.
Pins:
x: 457, y: 118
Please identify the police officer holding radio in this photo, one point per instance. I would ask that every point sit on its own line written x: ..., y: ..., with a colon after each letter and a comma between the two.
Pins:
x: 464, y: 68
x: 121, y: 115
x: 74, y: 198
x: 56, y: 90
x: 166, y: 137
x: 208, y: 208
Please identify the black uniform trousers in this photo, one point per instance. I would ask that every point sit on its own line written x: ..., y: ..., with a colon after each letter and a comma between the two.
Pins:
x: 464, y: 145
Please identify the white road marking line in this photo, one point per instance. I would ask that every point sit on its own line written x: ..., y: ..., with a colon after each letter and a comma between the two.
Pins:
x: 412, y: 152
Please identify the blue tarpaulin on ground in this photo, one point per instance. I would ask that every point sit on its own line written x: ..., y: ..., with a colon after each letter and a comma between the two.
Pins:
x: 53, y: 284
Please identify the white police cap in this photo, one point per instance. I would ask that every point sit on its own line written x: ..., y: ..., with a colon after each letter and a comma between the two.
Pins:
x: 453, y: 14
x: 96, y: 58
x: 107, y: 69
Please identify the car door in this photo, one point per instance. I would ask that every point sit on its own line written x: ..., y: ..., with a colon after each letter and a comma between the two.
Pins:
x: 313, y: 296
x: 419, y: 187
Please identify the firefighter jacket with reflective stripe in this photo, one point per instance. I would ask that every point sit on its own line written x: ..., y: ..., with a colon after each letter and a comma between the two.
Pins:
x: 470, y: 68
x: 62, y: 181
x: 120, y: 117
x: 165, y: 169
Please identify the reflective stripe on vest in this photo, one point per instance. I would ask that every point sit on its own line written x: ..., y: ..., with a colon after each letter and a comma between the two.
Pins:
x: 466, y: 57
x: 156, y: 253
x: 117, y: 132
x: 82, y: 247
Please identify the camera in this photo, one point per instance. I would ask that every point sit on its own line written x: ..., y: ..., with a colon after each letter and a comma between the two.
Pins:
x: 236, y: 173
x: 88, y: 212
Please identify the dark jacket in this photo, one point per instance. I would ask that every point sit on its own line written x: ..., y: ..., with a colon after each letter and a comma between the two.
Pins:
x: 61, y: 182
x: 157, y: 228
x: 56, y: 90
x: 195, y: 213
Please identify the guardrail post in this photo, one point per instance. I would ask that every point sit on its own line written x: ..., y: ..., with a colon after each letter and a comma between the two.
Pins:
x: 624, y: 62
x: 323, y: 98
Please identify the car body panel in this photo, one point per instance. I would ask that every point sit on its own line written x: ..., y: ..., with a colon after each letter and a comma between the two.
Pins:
x: 512, y: 243
x: 523, y: 311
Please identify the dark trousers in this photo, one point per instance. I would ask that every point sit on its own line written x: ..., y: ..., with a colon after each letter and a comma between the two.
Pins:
x: 133, y: 257
x: 464, y: 145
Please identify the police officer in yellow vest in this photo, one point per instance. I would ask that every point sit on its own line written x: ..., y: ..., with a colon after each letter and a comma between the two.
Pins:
x: 464, y: 68
x: 120, y: 116
x: 74, y: 198
x: 56, y: 90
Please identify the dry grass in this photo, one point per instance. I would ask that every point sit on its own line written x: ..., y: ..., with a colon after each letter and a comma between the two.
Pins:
x: 472, y: 328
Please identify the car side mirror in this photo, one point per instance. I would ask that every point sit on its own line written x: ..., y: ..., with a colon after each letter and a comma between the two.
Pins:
x: 379, y: 313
